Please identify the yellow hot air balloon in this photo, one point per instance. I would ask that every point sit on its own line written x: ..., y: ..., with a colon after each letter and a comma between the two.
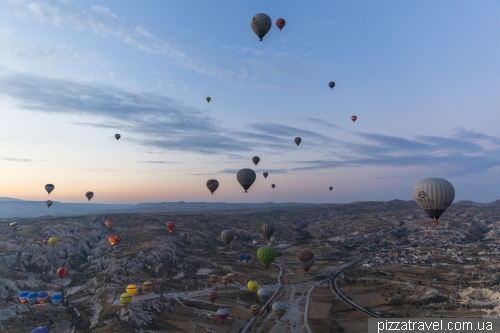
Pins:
x: 126, y: 298
x: 53, y: 241
x: 131, y: 289
x: 252, y: 285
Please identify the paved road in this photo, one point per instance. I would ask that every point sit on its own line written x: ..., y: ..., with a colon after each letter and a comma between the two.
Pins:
x: 333, y: 285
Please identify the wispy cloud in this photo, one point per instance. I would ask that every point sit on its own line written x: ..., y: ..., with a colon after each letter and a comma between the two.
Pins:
x: 102, y: 22
x: 161, y: 162
x: 270, y: 171
x: 13, y: 159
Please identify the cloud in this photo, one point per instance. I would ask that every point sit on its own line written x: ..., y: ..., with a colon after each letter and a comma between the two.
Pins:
x: 102, y: 22
x: 156, y: 162
x: 270, y: 171
x: 13, y: 159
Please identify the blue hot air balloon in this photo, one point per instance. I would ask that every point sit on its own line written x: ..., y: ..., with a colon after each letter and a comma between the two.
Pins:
x: 247, y: 257
x: 42, y: 297
x: 32, y: 298
x: 41, y: 329
x: 241, y: 257
x: 22, y: 296
x: 56, y: 299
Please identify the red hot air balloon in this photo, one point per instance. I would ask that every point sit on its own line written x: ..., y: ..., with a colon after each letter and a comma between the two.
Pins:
x: 111, y: 240
x: 170, y: 226
x: 110, y: 223
x: 212, y: 296
x: 222, y: 314
x: 280, y: 23
x: 118, y: 239
x: 273, y: 186
x: 353, y: 118
x: 62, y: 272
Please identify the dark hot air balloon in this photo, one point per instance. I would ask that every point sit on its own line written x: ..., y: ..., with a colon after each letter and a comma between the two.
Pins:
x: 212, y: 185
x: 353, y: 118
x: 89, y: 195
x: 280, y: 23
x: 268, y: 230
x: 265, y: 174
x: 246, y: 177
x: 331, y: 84
x: 241, y: 257
x: 117, y: 137
x: 260, y: 24
x: 212, y: 296
x: 331, y: 188
x: 208, y: 99
x: 247, y: 257
x: 49, y: 188
x: 255, y: 160
x: 49, y: 203
x: 297, y: 140
x: 227, y: 236
x: 306, y: 258
x: 40, y: 329
x: 273, y: 186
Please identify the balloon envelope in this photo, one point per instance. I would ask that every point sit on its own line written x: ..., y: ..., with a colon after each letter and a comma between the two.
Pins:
x: 246, y: 177
x: 273, y: 186
x: 110, y: 223
x: 353, y: 118
x: 225, y: 280
x: 117, y: 136
x: 241, y: 257
x: 331, y: 188
x: 256, y: 160
x: 56, y: 299
x: 90, y: 258
x: 212, y: 296
x: 227, y: 236
x: 255, y: 309
x: 307, y: 259
x: 268, y: 230
x: 89, y: 195
x: 62, y: 272
x: 263, y: 294
x: 126, y: 298
x: 208, y: 99
x: 42, y: 297
x: 280, y: 23
x: 49, y: 188
x: 247, y: 257
x: 40, y: 329
x: 265, y: 174
x: 434, y: 196
x: 22, y: 296
x: 45, y: 241
x: 53, y: 241
x: 279, y: 309
x: 32, y: 297
x: 222, y: 314
x: 252, y: 285
x: 49, y: 203
x: 297, y: 140
x: 147, y: 286
x: 331, y: 84
x: 170, y: 226
x: 212, y: 185
x: 266, y: 255
x: 131, y: 289
x: 260, y: 24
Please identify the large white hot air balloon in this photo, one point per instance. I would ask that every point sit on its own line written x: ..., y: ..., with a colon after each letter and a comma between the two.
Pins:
x: 434, y: 196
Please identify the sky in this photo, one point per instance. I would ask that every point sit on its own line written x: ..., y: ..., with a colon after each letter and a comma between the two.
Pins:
x: 423, y: 78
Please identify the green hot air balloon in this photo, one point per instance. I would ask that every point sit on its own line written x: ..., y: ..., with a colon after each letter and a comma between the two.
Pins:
x: 246, y: 177
x: 261, y: 24
x: 434, y: 196
x: 266, y: 255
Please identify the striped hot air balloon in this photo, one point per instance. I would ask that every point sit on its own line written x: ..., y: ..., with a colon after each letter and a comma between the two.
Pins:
x: 214, y: 278
x: 111, y: 240
x: 279, y: 309
x: 49, y: 188
x: 32, y: 298
x: 255, y: 309
x: 268, y: 230
x: 266, y: 255
x: 231, y: 277
x: 222, y: 314
x: 434, y: 196
x: 225, y: 280
x: 62, y: 272
x: 212, y: 296
x: 110, y: 223
x: 126, y: 298
x: 49, y: 203
x: 212, y: 185
x: 45, y: 241
x: 246, y: 177
x: 14, y: 226
x: 170, y: 226
x: 131, y: 289
x: 147, y: 286
x: 227, y: 236
x: 42, y: 297
x: 22, y: 296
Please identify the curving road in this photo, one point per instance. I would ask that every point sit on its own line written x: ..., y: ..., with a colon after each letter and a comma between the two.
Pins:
x: 336, y: 291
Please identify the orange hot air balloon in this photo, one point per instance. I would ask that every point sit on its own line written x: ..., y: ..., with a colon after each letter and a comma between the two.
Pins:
x: 111, y: 240
x: 110, y: 223
x: 225, y: 280
x: 170, y: 226
x: 353, y: 118
x: 214, y: 278
x: 212, y: 295
x: 62, y: 272
x: 118, y: 239
x: 280, y: 23
x: 273, y: 186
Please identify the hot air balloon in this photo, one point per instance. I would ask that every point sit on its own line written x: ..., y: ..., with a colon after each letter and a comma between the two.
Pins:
x: 14, y: 225
x: 231, y: 277
x: 89, y: 195
x: 280, y: 23
x: 272, y: 239
x: 90, y: 258
x: 260, y: 24
x: 212, y: 296
x: 252, y: 285
x: 225, y: 280
x: 40, y: 329
x: 255, y: 309
x: 222, y: 314
x: 111, y: 240
x: 49, y: 188
x: 214, y: 278
x: 297, y: 140
x: 56, y: 299
x: 227, y: 236
x: 247, y: 257
x: 268, y: 230
x: 110, y: 223
x: 279, y: 309
x: 265, y: 174
x: 353, y: 118
x: 126, y: 298
x: 331, y: 84
x: 118, y: 239
x: 306, y: 258
x: 266, y: 255
x: 212, y: 185
x: 32, y: 298
x: 49, y: 203
x: 45, y: 241
x: 241, y: 257
x: 117, y: 137
x: 147, y: 286
x: 273, y: 186
x: 263, y: 294
x: 434, y: 196
x: 256, y: 160
x: 208, y: 99
x: 246, y: 177
x: 131, y: 289
x: 42, y: 297
x: 254, y: 242
x: 62, y: 272
x: 53, y: 241
x: 331, y: 188
x: 23, y: 296
x: 170, y: 226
